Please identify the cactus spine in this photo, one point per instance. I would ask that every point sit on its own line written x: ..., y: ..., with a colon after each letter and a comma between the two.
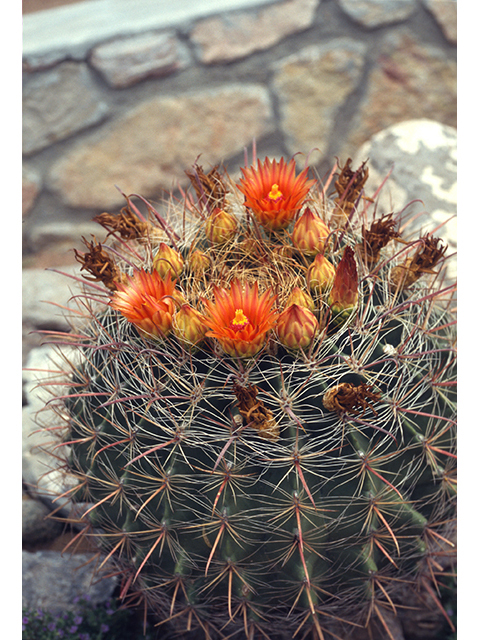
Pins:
x: 262, y: 430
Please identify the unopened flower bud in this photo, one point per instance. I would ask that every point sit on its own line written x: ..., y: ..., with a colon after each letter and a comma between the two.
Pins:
x: 221, y: 227
x: 296, y: 327
x: 178, y: 298
x: 300, y: 297
x: 310, y: 234
x: 189, y: 325
x: 199, y: 262
x: 320, y: 274
x: 167, y: 260
x: 344, y: 293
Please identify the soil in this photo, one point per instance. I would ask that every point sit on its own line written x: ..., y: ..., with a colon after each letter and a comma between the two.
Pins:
x: 30, y: 6
x: 60, y: 543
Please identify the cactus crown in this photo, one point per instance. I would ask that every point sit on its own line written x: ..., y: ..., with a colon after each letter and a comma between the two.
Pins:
x: 261, y: 426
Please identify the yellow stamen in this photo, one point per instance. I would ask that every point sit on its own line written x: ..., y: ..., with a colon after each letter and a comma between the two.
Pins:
x: 275, y: 193
x: 240, y: 320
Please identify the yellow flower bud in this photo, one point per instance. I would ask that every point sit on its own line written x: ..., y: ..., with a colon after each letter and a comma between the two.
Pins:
x: 296, y: 327
x: 310, y: 234
x: 167, y: 260
x: 199, y: 262
x: 320, y: 274
x: 221, y: 227
x: 189, y: 325
x: 300, y: 297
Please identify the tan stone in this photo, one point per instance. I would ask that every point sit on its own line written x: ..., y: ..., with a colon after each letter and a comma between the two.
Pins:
x: 236, y: 35
x: 31, y: 183
x: 311, y: 87
x: 148, y: 150
x: 407, y: 81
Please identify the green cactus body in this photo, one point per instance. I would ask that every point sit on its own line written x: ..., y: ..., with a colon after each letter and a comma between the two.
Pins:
x: 276, y: 492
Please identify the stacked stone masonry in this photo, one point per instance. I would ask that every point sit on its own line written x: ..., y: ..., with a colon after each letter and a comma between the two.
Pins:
x: 129, y: 108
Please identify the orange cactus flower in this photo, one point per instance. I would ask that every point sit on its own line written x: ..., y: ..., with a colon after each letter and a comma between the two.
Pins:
x: 344, y: 293
x: 147, y: 302
x: 240, y: 319
x: 273, y: 192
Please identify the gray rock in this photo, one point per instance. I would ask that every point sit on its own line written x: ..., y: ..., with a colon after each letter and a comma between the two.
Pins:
x: 42, y: 293
x: 375, y: 13
x: 41, y: 471
x: 125, y: 61
x: 45, y: 60
x: 58, y: 103
x: 31, y: 186
x: 52, y: 581
x: 445, y: 13
x: 63, y: 234
x: 37, y: 526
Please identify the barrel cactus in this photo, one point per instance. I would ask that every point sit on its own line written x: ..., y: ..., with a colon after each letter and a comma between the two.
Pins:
x: 261, y: 419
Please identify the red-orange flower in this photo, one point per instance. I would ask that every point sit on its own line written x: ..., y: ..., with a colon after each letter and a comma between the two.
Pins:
x: 146, y: 301
x: 240, y: 319
x: 273, y: 192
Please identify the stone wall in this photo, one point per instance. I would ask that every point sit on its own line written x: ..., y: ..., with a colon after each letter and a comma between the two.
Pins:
x: 125, y: 96
x: 128, y: 94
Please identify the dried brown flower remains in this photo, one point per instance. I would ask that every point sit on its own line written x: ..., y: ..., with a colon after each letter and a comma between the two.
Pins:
x: 349, y: 186
x: 349, y: 398
x: 426, y: 257
x: 209, y: 187
x: 374, y: 239
x: 99, y: 264
x: 126, y: 224
x: 254, y: 412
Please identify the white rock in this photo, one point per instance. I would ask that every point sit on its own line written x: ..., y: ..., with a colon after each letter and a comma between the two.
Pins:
x: 41, y: 471
x: 422, y: 157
